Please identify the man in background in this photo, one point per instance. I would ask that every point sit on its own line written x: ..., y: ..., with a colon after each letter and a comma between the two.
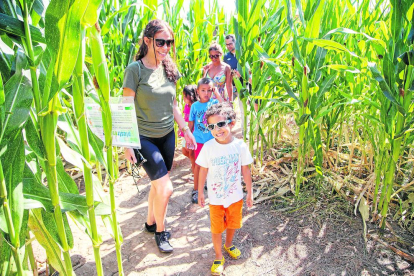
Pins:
x: 230, y: 59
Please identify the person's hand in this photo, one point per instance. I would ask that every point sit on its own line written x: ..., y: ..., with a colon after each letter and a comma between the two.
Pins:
x: 130, y: 155
x: 201, y: 199
x: 249, y: 200
x: 190, y: 141
x: 215, y: 91
x: 207, y: 67
x: 236, y: 73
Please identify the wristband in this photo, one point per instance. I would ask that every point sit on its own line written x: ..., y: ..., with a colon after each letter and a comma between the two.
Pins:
x: 185, y: 128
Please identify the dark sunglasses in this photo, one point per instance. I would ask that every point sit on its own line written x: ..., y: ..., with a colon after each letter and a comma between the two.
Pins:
x: 220, y: 124
x: 214, y: 56
x: 161, y: 42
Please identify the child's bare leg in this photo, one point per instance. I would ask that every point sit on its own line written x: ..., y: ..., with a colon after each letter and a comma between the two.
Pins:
x: 229, y: 237
x: 217, y: 245
x: 190, y: 155
x: 196, y: 172
x: 192, y: 159
x: 186, y: 152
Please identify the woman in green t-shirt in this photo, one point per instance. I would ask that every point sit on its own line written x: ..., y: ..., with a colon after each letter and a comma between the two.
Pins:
x: 151, y: 80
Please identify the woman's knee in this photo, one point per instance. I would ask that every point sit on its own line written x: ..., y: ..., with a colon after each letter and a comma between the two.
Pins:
x: 163, y: 186
x: 165, y: 191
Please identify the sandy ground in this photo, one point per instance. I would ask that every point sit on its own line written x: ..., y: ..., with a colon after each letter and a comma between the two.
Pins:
x: 272, y: 242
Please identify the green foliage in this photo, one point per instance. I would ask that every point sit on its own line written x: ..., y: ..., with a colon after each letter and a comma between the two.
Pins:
x: 344, y: 72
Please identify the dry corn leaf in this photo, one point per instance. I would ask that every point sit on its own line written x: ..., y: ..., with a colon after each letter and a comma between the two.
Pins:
x: 256, y: 193
x: 283, y: 190
x: 265, y: 198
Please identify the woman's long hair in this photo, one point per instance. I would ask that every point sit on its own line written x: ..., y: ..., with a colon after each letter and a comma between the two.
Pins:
x: 153, y: 27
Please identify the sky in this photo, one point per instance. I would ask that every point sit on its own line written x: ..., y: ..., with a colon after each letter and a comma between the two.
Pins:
x: 228, y: 5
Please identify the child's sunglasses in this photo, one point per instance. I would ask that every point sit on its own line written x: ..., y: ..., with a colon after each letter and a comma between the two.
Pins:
x: 161, y: 42
x: 220, y: 124
x: 214, y: 56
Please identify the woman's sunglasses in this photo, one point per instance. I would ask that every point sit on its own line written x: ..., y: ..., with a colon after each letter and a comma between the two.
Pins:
x: 220, y: 124
x: 161, y: 42
x: 214, y: 56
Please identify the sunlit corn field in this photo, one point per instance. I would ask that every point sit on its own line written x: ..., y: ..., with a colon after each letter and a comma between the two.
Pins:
x: 334, y: 79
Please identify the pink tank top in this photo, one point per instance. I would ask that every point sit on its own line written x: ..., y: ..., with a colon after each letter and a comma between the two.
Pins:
x: 186, y: 113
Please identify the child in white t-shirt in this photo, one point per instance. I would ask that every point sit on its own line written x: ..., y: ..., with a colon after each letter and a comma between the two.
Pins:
x: 222, y: 161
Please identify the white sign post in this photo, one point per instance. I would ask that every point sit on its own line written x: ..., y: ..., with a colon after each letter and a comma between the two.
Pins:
x: 124, y: 121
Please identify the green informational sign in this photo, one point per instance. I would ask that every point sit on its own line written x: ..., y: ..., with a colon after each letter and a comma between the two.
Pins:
x: 124, y: 121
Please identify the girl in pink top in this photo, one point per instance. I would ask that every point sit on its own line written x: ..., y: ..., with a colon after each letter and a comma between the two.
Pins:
x: 189, y: 96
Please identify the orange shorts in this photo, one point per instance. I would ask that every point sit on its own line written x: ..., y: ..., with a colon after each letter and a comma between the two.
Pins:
x: 222, y: 218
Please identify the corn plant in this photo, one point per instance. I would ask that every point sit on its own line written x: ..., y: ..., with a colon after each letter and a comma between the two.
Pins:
x: 395, y: 81
x: 246, y: 29
x: 102, y: 78
x: 40, y: 129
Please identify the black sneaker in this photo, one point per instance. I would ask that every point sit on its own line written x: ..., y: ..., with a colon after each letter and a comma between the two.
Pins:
x: 162, y: 242
x: 153, y: 228
x: 194, y: 196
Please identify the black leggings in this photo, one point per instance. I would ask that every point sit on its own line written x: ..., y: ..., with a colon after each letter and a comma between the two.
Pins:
x: 159, y: 153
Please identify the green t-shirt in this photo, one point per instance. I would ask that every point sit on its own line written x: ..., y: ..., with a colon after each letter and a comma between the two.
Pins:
x: 154, y: 98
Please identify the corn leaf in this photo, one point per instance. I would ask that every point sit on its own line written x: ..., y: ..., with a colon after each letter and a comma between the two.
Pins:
x: 2, y: 100
x: 285, y: 84
x: 72, y: 156
x: 41, y: 232
x: 91, y: 14
x: 2, y: 96
x: 33, y: 140
x: 343, y: 68
x: 3, y: 223
x: 330, y: 45
x: 97, y: 147
x: 384, y: 86
x: 317, y: 100
x: 109, y: 21
x: 397, y: 19
x: 289, y: 16
x: 303, y: 119
x: 15, y: 27
x: 63, y: 37
x: 17, y: 104
x: 5, y: 255
x: 316, y: 142
x: 37, y: 195
x: 300, y: 12
x: 314, y: 25
x: 410, y: 13
x: 66, y: 183
x: 12, y: 159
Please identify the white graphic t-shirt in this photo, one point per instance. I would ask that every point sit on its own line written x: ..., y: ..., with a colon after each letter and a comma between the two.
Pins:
x: 224, y: 163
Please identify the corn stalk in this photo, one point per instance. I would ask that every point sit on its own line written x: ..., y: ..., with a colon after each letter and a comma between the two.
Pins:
x: 102, y: 78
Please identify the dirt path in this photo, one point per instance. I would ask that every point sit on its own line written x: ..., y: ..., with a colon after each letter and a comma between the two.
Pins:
x: 272, y: 242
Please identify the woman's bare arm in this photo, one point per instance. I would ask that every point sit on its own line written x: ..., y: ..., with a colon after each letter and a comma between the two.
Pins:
x: 129, y: 152
x: 128, y: 92
x: 188, y: 135
x: 229, y: 84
